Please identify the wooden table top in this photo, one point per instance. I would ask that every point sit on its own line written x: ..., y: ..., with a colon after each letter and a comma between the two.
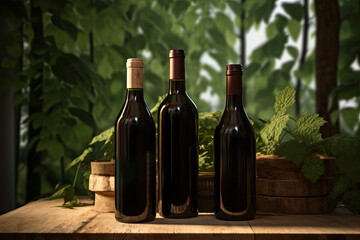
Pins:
x: 45, y: 219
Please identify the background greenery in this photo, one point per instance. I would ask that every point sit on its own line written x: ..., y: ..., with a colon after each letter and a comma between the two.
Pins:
x: 65, y: 60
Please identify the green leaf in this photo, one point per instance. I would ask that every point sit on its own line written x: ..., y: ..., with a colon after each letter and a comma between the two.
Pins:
x: 293, y: 150
x: 270, y: 49
x: 190, y: 19
x: 87, y: 155
x: 223, y: 22
x: 295, y: 10
x: 293, y: 51
x: 307, y: 128
x: 313, y: 168
x: 350, y: 117
x: 180, y: 7
x: 271, y: 132
x: 284, y: 99
x: 294, y: 28
x: 67, y: 192
x: 83, y: 116
x: 65, y: 25
x: 54, y: 148
x: 104, y: 136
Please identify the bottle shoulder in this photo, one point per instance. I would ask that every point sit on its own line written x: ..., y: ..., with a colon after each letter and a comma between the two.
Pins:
x: 135, y: 112
x: 234, y: 122
x: 178, y: 102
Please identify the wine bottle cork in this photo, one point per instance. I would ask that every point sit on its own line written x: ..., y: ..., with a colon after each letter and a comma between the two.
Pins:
x: 134, y: 77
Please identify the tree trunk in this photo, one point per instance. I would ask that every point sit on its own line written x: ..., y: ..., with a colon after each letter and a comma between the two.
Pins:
x: 33, y: 183
x: 302, y: 57
x: 327, y: 48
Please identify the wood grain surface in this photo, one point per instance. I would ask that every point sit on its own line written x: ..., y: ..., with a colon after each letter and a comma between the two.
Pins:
x: 293, y: 187
x: 45, y: 219
x: 292, y: 205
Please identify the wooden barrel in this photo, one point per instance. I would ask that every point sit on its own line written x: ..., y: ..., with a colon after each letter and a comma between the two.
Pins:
x: 102, y: 182
x: 282, y: 188
x: 206, y: 192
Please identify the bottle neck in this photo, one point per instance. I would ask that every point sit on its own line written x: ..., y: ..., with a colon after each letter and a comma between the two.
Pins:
x: 176, y: 86
x: 234, y: 91
x: 234, y: 101
x: 177, y: 75
x: 135, y: 94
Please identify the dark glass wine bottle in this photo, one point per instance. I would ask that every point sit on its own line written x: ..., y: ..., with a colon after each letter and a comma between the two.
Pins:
x: 135, y: 174
x: 234, y: 150
x: 178, y: 146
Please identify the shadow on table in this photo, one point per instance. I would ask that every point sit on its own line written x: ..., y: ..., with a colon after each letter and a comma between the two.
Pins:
x: 202, y: 219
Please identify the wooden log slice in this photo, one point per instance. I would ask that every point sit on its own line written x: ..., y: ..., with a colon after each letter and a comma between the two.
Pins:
x: 292, y: 205
x: 294, y: 187
x: 104, y: 202
x: 272, y: 166
x: 98, y: 183
x: 103, y: 168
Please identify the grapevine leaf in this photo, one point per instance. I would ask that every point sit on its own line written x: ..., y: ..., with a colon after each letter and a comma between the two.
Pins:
x: 292, y: 150
x: 271, y: 132
x: 87, y: 155
x: 313, y: 168
x: 284, y: 99
x: 307, y: 128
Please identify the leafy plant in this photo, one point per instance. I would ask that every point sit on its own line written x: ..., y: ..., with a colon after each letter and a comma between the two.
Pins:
x: 295, y: 139
x: 299, y: 140
x: 207, y: 125
x: 101, y: 148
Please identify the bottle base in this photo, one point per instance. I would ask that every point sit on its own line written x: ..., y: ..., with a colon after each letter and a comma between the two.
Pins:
x: 133, y: 219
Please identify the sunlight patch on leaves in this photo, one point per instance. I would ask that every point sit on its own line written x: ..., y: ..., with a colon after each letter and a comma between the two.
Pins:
x: 307, y: 128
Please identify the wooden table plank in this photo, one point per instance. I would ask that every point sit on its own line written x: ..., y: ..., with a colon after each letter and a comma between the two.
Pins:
x: 330, y: 226
x: 48, y: 220
x: 205, y: 226
x: 45, y: 216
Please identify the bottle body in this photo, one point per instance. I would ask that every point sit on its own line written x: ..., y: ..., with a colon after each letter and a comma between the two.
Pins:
x: 178, y: 153
x: 135, y: 176
x: 234, y: 162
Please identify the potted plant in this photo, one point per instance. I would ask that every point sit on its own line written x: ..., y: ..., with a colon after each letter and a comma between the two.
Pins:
x: 296, y: 168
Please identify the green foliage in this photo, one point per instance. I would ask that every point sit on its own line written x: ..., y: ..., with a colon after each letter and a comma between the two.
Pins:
x: 302, y: 137
x: 313, y: 168
x: 207, y: 124
x: 284, y: 99
x: 293, y: 150
x: 68, y: 193
x: 304, y: 140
